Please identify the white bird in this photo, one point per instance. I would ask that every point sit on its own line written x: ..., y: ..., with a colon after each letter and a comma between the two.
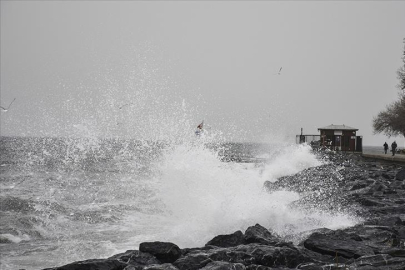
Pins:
x: 8, y: 107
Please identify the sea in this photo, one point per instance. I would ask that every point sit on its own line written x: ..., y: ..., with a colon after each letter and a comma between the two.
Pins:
x: 69, y: 199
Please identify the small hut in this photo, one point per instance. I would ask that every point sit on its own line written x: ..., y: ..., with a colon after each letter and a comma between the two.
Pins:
x: 340, y: 137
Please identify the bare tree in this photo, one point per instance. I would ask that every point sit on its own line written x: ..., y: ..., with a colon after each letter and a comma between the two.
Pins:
x: 401, y: 75
x: 391, y: 121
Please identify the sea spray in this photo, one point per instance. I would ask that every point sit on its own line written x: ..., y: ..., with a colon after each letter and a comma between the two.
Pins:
x: 129, y: 169
x: 204, y: 197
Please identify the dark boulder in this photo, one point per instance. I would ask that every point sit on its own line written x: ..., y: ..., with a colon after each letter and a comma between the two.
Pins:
x: 337, y: 245
x: 311, y: 266
x: 239, y: 254
x: 136, y: 258
x: 165, y: 266
x: 359, y: 184
x: 388, y: 221
x: 394, y: 252
x: 227, y: 240
x: 164, y: 251
x: 400, y: 175
x: 379, y: 261
x: 96, y: 264
x: 370, y: 202
x: 259, y: 234
x: 192, y: 261
x: 224, y: 266
x: 258, y: 267
x: 278, y: 256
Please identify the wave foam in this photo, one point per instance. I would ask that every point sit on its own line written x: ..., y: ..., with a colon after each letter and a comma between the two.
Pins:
x: 205, y: 197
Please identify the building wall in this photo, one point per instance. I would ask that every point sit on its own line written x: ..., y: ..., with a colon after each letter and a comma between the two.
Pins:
x: 344, y: 140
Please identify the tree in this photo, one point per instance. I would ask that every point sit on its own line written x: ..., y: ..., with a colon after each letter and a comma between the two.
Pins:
x: 401, y: 75
x: 391, y: 122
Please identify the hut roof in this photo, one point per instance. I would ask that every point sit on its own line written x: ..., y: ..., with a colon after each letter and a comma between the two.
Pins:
x: 337, y: 127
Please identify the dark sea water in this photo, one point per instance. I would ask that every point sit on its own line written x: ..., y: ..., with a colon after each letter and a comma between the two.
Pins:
x: 69, y: 199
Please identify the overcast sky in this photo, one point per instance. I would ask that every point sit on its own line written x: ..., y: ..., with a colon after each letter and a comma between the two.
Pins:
x: 72, y: 66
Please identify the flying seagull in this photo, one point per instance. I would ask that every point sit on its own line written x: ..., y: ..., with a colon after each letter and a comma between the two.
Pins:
x: 279, y: 72
x: 6, y: 109
x: 125, y: 105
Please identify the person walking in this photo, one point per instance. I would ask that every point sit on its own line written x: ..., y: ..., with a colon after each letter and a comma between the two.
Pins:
x: 385, y: 147
x: 394, y: 147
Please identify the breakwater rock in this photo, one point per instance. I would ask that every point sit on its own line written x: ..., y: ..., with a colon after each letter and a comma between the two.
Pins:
x: 374, y: 191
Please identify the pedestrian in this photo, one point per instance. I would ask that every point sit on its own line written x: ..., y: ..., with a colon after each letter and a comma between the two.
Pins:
x: 394, y: 147
x: 385, y: 147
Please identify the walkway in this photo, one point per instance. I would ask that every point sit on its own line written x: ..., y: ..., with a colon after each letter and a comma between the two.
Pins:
x: 397, y: 158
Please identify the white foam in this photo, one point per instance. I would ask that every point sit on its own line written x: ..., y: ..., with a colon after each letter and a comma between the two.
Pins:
x: 10, y: 238
x: 205, y: 197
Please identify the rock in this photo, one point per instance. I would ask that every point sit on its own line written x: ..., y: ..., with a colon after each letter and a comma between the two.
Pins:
x: 192, y: 261
x: 164, y: 251
x: 227, y: 240
x: 97, y: 264
x: 224, y: 266
x: 400, y: 175
x: 278, y: 256
x: 258, y: 267
x: 380, y: 261
x: 136, y: 258
x: 123, y: 257
x: 394, y: 252
x: 141, y: 259
x: 359, y: 184
x: 259, y: 234
x: 240, y: 254
x: 310, y: 266
x: 337, y: 246
x: 165, y: 266
x: 370, y: 202
x: 386, y: 176
x: 388, y: 221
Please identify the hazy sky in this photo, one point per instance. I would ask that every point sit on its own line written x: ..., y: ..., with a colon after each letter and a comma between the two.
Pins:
x: 72, y: 66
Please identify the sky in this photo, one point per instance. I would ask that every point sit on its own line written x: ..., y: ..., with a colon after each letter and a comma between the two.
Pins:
x: 138, y: 69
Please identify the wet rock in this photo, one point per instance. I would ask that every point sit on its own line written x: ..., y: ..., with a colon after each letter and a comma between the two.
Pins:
x: 278, y: 256
x: 311, y: 266
x: 240, y: 254
x: 359, y: 184
x: 258, y: 267
x: 393, y: 252
x: 136, y: 258
x: 376, y: 237
x: 337, y: 245
x: 192, y: 261
x: 388, y: 221
x: 165, y: 266
x: 259, y: 234
x: 380, y: 261
x: 164, y: 251
x: 224, y: 266
x: 400, y: 175
x: 96, y: 264
x: 227, y: 240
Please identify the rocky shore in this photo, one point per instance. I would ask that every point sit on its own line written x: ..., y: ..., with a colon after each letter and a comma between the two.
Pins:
x: 375, y: 191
